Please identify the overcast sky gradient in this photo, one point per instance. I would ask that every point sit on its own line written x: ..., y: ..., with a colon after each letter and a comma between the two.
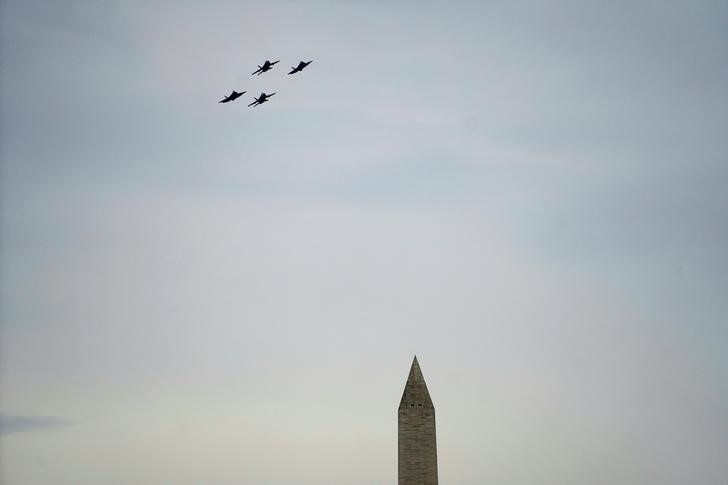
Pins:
x: 531, y: 196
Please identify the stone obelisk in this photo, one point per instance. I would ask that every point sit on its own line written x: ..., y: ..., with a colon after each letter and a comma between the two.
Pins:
x: 416, y: 426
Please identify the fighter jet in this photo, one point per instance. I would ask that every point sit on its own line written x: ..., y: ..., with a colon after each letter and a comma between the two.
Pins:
x: 261, y: 99
x: 301, y: 65
x: 267, y: 65
x: 233, y: 96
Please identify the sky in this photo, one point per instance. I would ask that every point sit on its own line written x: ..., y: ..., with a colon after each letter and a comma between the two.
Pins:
x: 529, y: 196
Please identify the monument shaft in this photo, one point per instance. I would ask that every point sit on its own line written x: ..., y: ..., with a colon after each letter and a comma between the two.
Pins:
x: 416, y: 432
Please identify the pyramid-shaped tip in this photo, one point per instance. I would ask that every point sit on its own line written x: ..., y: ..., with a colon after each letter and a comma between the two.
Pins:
x: 415, y: 388
x: 415, y: 373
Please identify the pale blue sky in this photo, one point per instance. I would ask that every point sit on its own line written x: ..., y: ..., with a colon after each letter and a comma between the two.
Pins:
x: 530, y: 196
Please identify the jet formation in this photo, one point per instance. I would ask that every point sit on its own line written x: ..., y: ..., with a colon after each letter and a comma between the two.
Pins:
x: 267, y: 66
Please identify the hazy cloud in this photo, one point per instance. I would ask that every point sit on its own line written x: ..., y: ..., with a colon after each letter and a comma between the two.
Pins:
x: 19, y: 424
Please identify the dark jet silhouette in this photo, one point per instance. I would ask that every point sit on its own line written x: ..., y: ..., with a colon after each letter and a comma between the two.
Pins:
x: 267, y: 65
x: 233, y: 96
x: 261, y: 99
x: 301, y: 65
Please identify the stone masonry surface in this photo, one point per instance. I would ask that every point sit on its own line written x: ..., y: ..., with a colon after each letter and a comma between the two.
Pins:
x: 416, y: 432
